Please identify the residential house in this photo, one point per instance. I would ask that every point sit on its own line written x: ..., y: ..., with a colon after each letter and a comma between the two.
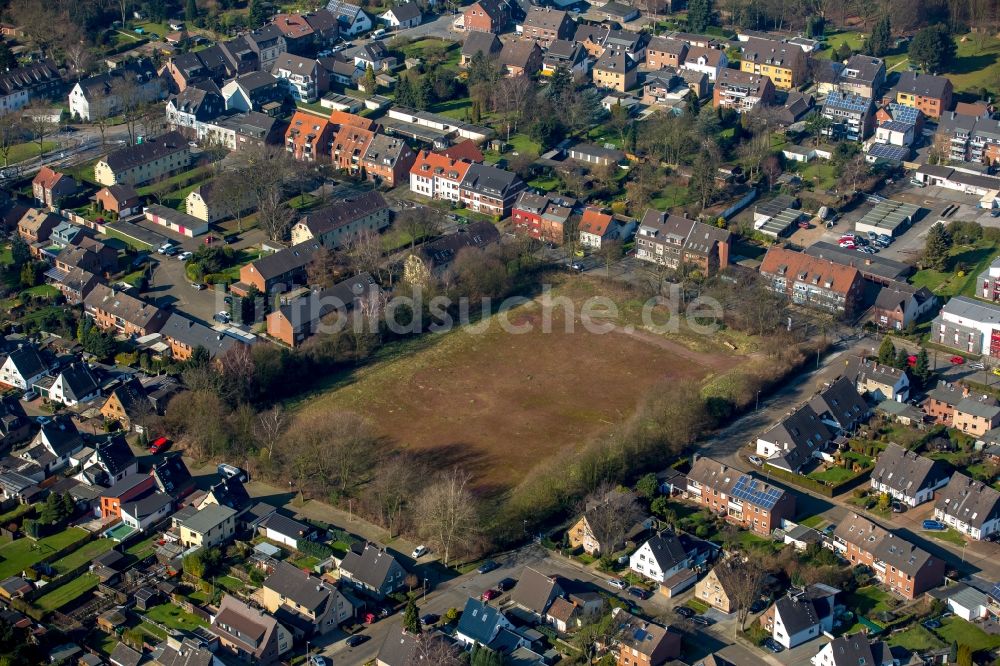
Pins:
x: 741, y: 91
x: 899, y: 304
x: 596, y: 228
x: 908, y: 477
x: 15, y: 426
x: 387, y: 160
x: 785, y: 64
x: 476, y: 42
x: 197, y: 103
x: 719, y: 588
x: 36, y: 227
x: 268, y: 43
x: 615, y: 70
x: 338, y: 223
x: 581, y: 535
x: 294, y: 322
x: 278, y: 271
x: 618, y: 12
x: 240, y: 131
x: 480, y: 623
x: 120, y: 198
x: 100, y: 96
x: 129, y: 488
x: 252, y: 91
x: 851, y: 116
x: 249, y: 634
x: 930, y: 94
x: 184, y: 335
x: 89, y: 254
x: 127, y: 404
x: 899, y: 565
x: 976, y: 415
x: 863, y: 75
x: 20, y: 85
x: 75, y: 284
x: 145, y: 512
x: 896, y: 133
x: 50, y: 187
x: 284, y: 530
x: 403, y: 648
x: 74, y: 384
x: 230, y: 493
x: 710, y: 62
x: 542, y: 216
x: 854, y: 650
x: 989, y: 281
x: 535, y: 592
x: 437, y: 255
x: 545, y: 25
x: 969, y: 506
x: 662, y: 52
x: 795, y: 440
x: 210, y: 526
x: 348, y: 147
x: 403, y: 15
x: 154, y: 158
x: 372, y: 570
x: 660, y: 558
x: 489, y: 190
x: 437, y: 176
x: 207, y: 203
x: 592, y: 38
x: 801, y: 615
x: 56, y: 441
x: 114, y: 310
x: 967, y: 325
x: 840, y: 407
x: 172, y: 477
x: 880, y: 381
x: 111, y: 461
x: 486, y: 16
x: 796, y: 107
x: 306, y: 604
x: 521, y: 57
x: 588, y: 153
x: 970, y: 138
x: 965, y: 602
x: 739, y: 497
x: 308, y: 136
x: 23, y: 367
x: 811, y: 281
x: 297, y: 32
x: 629, y: 42
x: 304, y: 78
x: 942, y: 400
x: 640, y: 642
x: 673, y: 241
x: 567, y: 55
x: 352, y: 19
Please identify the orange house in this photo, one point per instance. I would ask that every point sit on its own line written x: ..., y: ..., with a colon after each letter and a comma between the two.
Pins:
x: 308, y: 136
x: 348, y: 147
x: 130, y: 488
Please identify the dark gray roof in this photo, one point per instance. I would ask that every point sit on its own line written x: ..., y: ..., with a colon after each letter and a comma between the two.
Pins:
x: 981, y: 406
x: 443, y: 250
x: 924, y: 85
x: 863, y: 69
x: 485, y: 42
x: 285, y: 261
x: 487, y: 179
x: 100, y: 85
x: 27, y: 361
x: 664, y: 45
x: 371, y: 566
x: 123, y: 655
x: 115, y: 454
x: 399, y: 647
x: 62, y: 435
x: 284, y: 525
x: 842, y: 402
x: 148, y: 505
x: 78, y: 381
x: 406, y: 11
x: 479, y: 621
x: 172, y: 475
x: 796, y: 614
x: 27, y: 77
x: 126, y: 484
x: 668, y: 551
x: 305, y: 591
x: 206, y: 519
x: 900, y: 553
x: 231, y: 493
x: 192, y: 333
x: 535, y: 591
x: 302, y: 312
x: 905, y: 471
x: 970, y: 501
x: 151, y: 149
x: 344, y: 212
x: 852, y: 650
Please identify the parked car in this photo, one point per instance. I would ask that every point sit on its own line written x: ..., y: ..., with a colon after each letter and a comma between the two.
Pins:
x: 898, y: 507
x: 221, y: 316
x: 419, y: 552
x: 932, y: 624
x: 933, y: 525
x: 490, y: 594
x: 638, y: 593
x: 231, y: 472
x: 684, y: 611
x: 159, y: 444
x: 703, y: 621
x: 976, y: 366
x: 29, y: 396
x: 184, y: 256
x: 487, y: 566
x: 756, y: 460
x: 506, y: 584
x: 198, y: 285
x: 429, y: 618
x: 917, y: 183
x: 617, y: 583
x: 758, y: 606
x: 848, y: 234
x: 956, y: 360
x: 356, y: 640
x: 319, y: 660
x: 872, y: 235
x: 773, y: 645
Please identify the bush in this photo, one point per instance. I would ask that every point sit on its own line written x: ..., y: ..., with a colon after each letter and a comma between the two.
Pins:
x: 320, y: 551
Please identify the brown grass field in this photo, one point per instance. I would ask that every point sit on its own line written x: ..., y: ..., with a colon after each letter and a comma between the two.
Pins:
x: 498, y: 403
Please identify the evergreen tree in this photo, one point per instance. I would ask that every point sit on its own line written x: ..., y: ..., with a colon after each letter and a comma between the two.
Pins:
x: 887, y: 351
x: 51, y: 510
x: 937, y: 247
x: 560, y: 84
x: 699, y: 15
x: 7, y: 59
x: 932, y: 48
x: 258, y: 13
x: 844, y: 52
x: 964, y: 656
x: 370, y: 79
x: 191, y: 11
x: 19, y: 251
x: 404, y: 92
x: 411, y: 618
x: 922, y: 368
x: 691, y: 104
x: 69, y: 506
x: 880, y: 41
x: 902, y: 360
x: 199, y: 357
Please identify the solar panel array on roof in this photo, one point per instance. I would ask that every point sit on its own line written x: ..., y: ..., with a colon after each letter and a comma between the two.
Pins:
x: 756, y: 492
x: 780, y: 223
x: 848, y: 102
x: 886, y: 151
x: 907, y: 114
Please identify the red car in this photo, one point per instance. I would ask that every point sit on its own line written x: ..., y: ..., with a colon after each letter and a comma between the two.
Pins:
x: 911, y: 361
x: 957, y: 360
x: 159, y: 444
x: 490, y: 594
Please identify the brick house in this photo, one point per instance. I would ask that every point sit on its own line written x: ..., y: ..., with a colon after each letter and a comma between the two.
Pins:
x: 348, y: 147
x: 387, y: 160
x: 50, y: 187
x: 640, y: 642
x: 741, y: 498
x: 298, y: 320
x: 185, y: 335
x: 812, y: 281
x: 308, y: 136
x: 672, y: 241
x: 127, y: 315
x: 741, y: 91
x: 545, y: 25
x: 121, y: 199
x: 665, y: 52
x: 277, y: 271
x: 542, y: 216
x: 941, y: 401
x: 521, y: 57
x: 930, y: 94
x: 130, y: 488
x: 486, y: 16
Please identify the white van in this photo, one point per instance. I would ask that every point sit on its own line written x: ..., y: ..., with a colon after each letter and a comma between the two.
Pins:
x: 378, y: 34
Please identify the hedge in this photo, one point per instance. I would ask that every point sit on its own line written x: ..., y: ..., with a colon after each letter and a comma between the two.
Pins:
x: 812, y: 484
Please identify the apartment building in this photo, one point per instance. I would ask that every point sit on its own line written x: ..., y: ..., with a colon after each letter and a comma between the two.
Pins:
x: 970, y: 506
x: 664, y: 52
x: 489, y: 190
x: 334, y: 225
x: 785, y: 64
x: 436, y: 176
x: 615, y: 70
x: 930, y: 94
x: 545, y: 25
x: 308, y: 136
x: 542, y: 216
x: 671, y: 241
x: 969, y: 326
x: 812, y: 281
x: 742, y: 91
x: 971, y: 138
x: 851, y: 116
x: 304, y: 78
x: 144, y: 162
x: 387, y: 160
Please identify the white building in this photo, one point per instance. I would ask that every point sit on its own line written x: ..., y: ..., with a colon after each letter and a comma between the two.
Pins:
x: 853, y: 650
x: 895, y: 133
x: 971, y: 507
x: 22, y: 368
x: 659, y: 558
x: 74, y: 385
x: 142, y: 514
x: 968, y: 325
x: 352, y: 19
x: 403, y: 15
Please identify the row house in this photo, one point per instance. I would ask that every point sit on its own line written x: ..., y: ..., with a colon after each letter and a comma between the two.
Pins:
x: 930, y: 94
x: 672, y: 241
x: 276, y: 272
x: 294, y: 322
x: 252, y: 91
x: 20, y: 85
x: 195, y: 104
x: 487, y: 16
x: 334, y: 225
x: 969, y: 326
x: 298, y: 33
x: 545, y: 25
x: 592, y: 38
x: 812, y: 281
x: 205, y: 67
x: 908, y: 477
x: 120, y: 313
x: 240, y: 131
x: 740, y: 498
x: 521, y: 57
x: 436, y: 176
x: 785, y: 64
x: 184, y: 335
x: 710, y: 62
x: 308, y: 136
x: 971, y: 138
x: 969, y: 506
x: 626, y: 41
x: 899, y: 565
x: 155, y: 157
x: 742, y: 91
x: 665, y: 52
x: 941, y: 402
x: 387, y: 160
x: 100, y: 96
x: 485, y: 43
x: 542, y: 216
x: 566, y: 55
x: 348, y: 147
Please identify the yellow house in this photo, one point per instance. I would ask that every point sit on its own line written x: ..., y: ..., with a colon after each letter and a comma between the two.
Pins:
x: 205, y: 203
x: 715, y: 589
x: 784, y: 64
x: 211, y: 526
x: 320, y: 604
x: 144, y: 162
x: 615, y: 70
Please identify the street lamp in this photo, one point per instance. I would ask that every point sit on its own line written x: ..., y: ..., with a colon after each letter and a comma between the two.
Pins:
x: 756, y: 406
x: 424, y: 593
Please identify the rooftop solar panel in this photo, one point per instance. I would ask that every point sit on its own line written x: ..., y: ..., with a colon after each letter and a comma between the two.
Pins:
x: 756, y: 492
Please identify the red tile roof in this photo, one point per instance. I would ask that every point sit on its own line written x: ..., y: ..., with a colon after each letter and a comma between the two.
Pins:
x: 431, y: 164
x: 595, y: 222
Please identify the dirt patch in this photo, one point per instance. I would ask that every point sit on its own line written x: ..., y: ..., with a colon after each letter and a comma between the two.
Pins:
x: 499, y: 403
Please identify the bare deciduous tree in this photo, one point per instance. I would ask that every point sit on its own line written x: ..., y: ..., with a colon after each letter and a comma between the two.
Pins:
x: 38, y: 121
x: 270, y: 427
x: 610, y: 514
x: 273, y: 215
x: 364, y: 253
x: 80, y: 58
x: 395, y: 483
x: 417, y: 223
x: 745, y: 575
x: 433, y: 648
x: 448, y: 513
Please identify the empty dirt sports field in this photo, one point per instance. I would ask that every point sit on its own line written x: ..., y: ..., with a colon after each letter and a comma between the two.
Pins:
x: 498, y: 403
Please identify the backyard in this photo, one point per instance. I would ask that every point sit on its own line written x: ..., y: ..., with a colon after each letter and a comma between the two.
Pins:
x: 66, y: 593
x: 23, y: 553
x: 171, y: 616
x: 976, y: 64
x: 964, y: 265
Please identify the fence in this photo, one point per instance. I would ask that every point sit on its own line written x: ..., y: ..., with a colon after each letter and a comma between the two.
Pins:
x: 815, y: 486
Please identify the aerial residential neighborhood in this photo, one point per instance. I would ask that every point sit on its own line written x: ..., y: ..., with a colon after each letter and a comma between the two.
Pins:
x: 488, y: 333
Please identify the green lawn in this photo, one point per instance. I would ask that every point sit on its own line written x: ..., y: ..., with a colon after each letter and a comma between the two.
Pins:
x: 171, y: 616
x: 975, y: 66
x: 955, y: 629
x: 821, y: 174
x: 68, y: 592
x: 141, y: 549
x: 455, y: 108
x: 964, y: 265
x: 230, y: 583
x: 21, y: 554
x: 852, y: 38
x: 866, y: 601
x: 201, y: 172
x: 85, y: 553
x: 671, y: 196
x: 832, y: 476
x: 153, y: 631
x: 16, y: 512
x: 949, y: 535
x: 25, y: 151
x: 814, y: 522
x: 915, y: 639
x: 46, y: 290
